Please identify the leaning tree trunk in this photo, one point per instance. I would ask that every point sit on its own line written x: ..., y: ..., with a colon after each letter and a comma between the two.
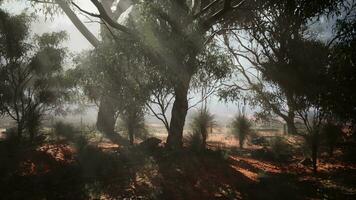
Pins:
x: 179, y: 112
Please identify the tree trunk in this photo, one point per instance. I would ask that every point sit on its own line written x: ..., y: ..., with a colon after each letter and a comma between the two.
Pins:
x: 77, y: 23
x: 20, y: 127
x: 241, y: 143
x: 131, y: 134
x: 315, y: 145
x: 179, y: 112
x: 291, y: 129
x: 106, y: 116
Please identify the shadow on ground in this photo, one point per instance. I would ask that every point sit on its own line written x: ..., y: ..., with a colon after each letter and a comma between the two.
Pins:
x: 61, y: 170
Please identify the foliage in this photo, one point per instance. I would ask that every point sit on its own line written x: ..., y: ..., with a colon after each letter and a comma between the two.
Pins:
x: 241, y: 128
x: 32, y: 81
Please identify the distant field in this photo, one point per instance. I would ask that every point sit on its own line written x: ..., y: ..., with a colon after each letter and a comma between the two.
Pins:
x: 220, y: 136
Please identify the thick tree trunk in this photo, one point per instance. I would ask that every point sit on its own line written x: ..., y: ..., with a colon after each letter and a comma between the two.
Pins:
x: 179, y: 112
x: 291, y: 129
x: 131, y: 134
x: 106, y: 117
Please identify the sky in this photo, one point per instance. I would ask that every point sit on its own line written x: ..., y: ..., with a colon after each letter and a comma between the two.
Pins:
x: 77, y: 43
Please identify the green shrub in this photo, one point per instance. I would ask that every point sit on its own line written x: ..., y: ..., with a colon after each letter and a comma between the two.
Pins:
x: 241, y: 128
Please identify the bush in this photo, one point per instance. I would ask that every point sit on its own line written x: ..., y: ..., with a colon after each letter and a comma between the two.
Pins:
x: 202, y: 121
x: 65, y: 130
x: 241, y: 128
x: 280, y: 148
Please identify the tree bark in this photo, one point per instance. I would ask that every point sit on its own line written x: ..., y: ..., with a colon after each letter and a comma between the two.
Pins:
x: 291, y: 129
x: 179, y: 112
x: 20, y: 127
x: 315, y: 145
x: 130, y: 132
x: 106, y: 117
x: 77, y: 23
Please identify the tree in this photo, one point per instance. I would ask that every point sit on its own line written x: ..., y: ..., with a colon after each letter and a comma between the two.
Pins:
x: 32, y: 81
x: 342, y: 66
x: 114, y: 74
x: 268, y: 42
x: 173, y: 44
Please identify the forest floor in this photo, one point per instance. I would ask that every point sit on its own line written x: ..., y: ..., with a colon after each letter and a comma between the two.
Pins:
x: 66, y: 170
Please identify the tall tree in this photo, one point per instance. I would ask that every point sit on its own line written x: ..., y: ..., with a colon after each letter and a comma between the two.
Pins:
x: 173, y: 34
x: 270, y: 42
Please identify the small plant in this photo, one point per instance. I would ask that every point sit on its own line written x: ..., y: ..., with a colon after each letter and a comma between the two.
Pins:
x: 202, y: 121
x: 241, y: 128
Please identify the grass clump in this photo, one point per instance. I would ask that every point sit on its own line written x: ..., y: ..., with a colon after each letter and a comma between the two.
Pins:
x: 241, y: 128
x: 201, y: 122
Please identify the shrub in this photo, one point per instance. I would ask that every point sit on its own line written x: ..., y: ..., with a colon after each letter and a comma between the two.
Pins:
x: 280, y: 148
x: 65, y: 130
x: 241, y: 128
x: 200, y: 124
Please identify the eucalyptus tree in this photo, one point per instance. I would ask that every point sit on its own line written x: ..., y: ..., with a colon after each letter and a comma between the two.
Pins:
x: 32, y: 81
x: 271, y: 43
x: 171, y: 34
x: 342, y: 65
